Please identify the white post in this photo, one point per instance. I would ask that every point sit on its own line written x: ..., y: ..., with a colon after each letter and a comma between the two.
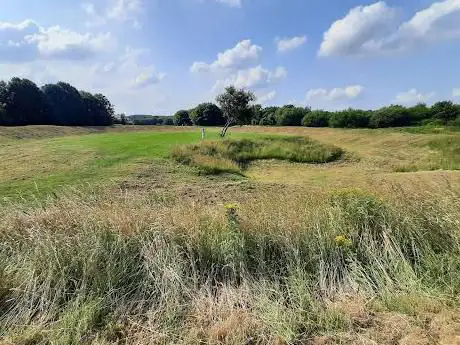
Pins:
x: 203, y: 133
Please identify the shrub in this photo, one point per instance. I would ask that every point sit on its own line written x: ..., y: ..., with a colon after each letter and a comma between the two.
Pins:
x: 182, y: 118
x: 316, y: 118
x: 419, y: 113
x: 207, y: 114
x: 392, y: 116
x: 350, y: 118
x: 290, y: 116
x: 445, y: 111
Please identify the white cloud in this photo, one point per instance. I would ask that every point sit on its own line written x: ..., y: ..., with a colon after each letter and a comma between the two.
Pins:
x: 349, y: 35
x: 413, y: 97
x: 231, y: 3
x: 456, y: 92
x: 255, y: 77
x: 148, y: 78
x: 370, y: 30
x: 266, y: 97
x: 116, y: 10
x: 348, y: 92
x: 27, y: 41
x: 124, y: 10
x: 242, y: 53
x: 288, y: 44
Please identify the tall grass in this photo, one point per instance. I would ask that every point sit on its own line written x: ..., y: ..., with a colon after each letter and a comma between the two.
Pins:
x: 234, y: 155
x: 97, y: 269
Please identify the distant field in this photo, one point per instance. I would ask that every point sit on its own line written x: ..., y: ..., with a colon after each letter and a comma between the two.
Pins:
x: 31, y: 165
x: 128, y: 235
x: 37, y: 160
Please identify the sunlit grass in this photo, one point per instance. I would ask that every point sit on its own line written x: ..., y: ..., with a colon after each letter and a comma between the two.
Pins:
x: 234, y: 155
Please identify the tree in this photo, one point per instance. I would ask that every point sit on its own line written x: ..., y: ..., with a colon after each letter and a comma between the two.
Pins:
x: 24, y: 103
x: 350, y: 118
x: 419, y: 113
x: 235, y: 106
x: 98, y: 111
x: 268, y: 116
x: 66, y: 104
x: 168, y: 121
x: 290, y: 115
x: 3, y: 92
x: 392, y: 116
x: 182, y: 118
x: 316, y: 118
x: 445, y: 111
x: 207, y: 114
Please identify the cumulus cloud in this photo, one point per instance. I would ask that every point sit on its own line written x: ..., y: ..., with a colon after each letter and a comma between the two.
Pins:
x: 413, y: 97
x: 348, y: 92
x: 148, y: 78
x: 242, y: 53
x: 116, y: 10
x: 129, y: 66
x: 255, y: 77
x: 27, y: 41
x: 287, y: 44
x: 370, y: 30
x: 456, y: 92
x: 266, y: 97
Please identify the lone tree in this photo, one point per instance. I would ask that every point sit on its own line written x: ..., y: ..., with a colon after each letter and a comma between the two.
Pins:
x: 235, y: 107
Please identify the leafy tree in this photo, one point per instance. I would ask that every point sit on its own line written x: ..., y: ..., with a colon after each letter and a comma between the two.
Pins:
x: 316, y: 118
x: 98, y: 111
x: 24, y: 103
x: 235, y: 107
x: 268, y: 116
x: 207, y: 114
x: 168, y: 121
x: 66, y: 105
x: 445, y: 111
x: 182, y: 118
x: 3, y: 92
x: 290, y: 115
x: 123, y: 119
x: 392, y: 116
x: 350, y: 118
x: 419, y: 113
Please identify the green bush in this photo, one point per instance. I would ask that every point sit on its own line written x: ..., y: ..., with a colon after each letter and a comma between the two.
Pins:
x: 182, y: 118
x: 350, y: 118
x: 290, y: 116
x: 445, y: 111
x: 316, y: 118
x: 392, y: 116
x: 207, y: 114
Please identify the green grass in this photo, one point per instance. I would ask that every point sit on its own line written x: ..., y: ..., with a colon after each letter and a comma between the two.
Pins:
x: 173, y: 257
x: 213, y: 157
x: 41, y: 166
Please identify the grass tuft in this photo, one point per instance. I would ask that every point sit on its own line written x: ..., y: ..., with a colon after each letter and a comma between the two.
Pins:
x: 233, y: 156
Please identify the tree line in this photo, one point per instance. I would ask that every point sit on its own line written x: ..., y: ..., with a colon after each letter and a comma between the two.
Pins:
x: 440, y: 113
x: 22, y: 102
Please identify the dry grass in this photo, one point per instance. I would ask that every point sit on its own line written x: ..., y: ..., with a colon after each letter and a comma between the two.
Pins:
x: 158, y: 259
x: 123, y: 266
x: 233, y: 156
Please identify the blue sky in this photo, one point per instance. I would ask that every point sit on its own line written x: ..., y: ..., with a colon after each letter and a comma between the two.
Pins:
x: 157, y: 56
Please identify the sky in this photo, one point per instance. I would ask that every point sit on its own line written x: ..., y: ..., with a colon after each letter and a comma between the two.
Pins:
x: 159, y: 56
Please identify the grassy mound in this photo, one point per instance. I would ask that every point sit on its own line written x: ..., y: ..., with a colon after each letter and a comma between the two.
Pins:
x: 213, y: 157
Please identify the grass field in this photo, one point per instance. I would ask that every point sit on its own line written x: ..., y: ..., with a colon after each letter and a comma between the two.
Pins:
x: 106, y: 239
